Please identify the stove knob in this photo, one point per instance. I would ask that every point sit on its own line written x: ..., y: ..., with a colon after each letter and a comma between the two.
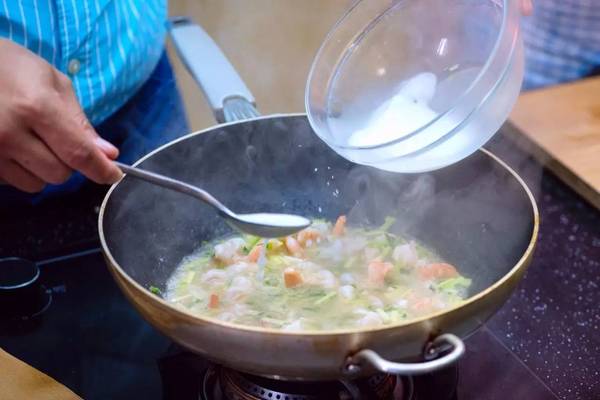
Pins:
x: 21, y: 294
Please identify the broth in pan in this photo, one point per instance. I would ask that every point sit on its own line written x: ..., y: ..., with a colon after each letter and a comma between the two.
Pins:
x: 329, y: 276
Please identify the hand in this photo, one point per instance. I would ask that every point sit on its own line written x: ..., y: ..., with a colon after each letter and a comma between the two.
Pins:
x: 527, y: 7
x: 44, y: 133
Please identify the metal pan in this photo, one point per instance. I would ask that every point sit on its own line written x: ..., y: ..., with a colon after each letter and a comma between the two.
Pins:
x: 478, y: 214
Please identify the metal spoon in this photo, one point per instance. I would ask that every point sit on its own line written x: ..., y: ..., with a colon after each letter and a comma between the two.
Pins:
x: 267, y: 225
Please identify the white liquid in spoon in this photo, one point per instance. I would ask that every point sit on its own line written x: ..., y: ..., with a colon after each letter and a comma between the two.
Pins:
x: 282, y: 220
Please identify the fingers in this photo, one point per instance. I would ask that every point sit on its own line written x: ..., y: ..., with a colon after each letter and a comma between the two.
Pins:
x: 107, y: 148
x: 33, y: 155
x: 15, y: 175
x: 44, y: 133
x: 65, y: 129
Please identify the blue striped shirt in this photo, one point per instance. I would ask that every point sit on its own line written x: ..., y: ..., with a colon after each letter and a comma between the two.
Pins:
x: 107, y: 47
x: 562, y: 41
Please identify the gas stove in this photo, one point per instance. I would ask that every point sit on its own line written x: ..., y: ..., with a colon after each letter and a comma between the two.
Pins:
x: 219, y: 383
x: 543, y: 344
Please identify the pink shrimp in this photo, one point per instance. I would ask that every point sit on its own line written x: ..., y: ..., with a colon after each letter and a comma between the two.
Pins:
x: 254, y: 254
x: 340, y: 226
x: 306, y: 236
x: 293, y: 246
x: 437, y: 271
x: 377, y: 270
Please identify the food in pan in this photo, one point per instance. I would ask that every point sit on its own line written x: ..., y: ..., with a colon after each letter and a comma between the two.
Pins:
x: 327, y: 277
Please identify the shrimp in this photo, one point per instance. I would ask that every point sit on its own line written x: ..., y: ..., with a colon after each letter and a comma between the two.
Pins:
x: 376, y: 302
x: 422, y: 305
x: 233, y: 313
x: 406, y: 254
x: 323, y: 228
x: 293, y: 246
x: 328, y: 279
x: 239, y: 310
x: 437, y: 271
x: 323, y: 278
x: 240, y: 287
x: 255, y: 253
x: 401, y: 303
x: 340, y: 226
x: 214, y: 277
x: 377, y: 270
x: 241, y: 267
x: 347, y: 292
x: 370, y: 318
x: 347, y: 278
x: 305, y: 266
x: 229, y: 251
x: 308, y: 237
x: 292, y: 278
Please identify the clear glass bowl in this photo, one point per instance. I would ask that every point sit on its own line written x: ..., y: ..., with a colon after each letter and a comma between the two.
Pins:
x: 415, y: 85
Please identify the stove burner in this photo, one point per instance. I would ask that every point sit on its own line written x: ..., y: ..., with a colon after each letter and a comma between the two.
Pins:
x: 22, y: 297
x: 187, y: 376
x: 225, y: 384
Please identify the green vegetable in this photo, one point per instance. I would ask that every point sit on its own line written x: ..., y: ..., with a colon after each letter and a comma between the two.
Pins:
x: 382, y: 230
x: 189, y: 277
x: 274, y: 244
x: 251, y: 239
x: 350, y: 262
x: 155, y: 290
x: 323, y: 299
x: 379, y: 242
x: 397, y: 315
x: 387, y: 224
x: 275, y: 262
x: 384, y: 316
x: 453, y: 286
x: 386, y: 252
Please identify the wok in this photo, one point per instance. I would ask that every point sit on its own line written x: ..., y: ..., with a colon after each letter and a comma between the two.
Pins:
x: 478, y: 214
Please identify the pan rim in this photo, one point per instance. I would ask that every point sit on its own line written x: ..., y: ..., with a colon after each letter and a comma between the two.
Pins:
x: 195, y: 319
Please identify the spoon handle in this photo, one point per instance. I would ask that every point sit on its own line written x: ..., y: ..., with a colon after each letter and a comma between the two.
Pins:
x: 175, y: 185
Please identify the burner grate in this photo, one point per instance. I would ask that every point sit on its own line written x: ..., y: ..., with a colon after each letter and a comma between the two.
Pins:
x: 224, y: 384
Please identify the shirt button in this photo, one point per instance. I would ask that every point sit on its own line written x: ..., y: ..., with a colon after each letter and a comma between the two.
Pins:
x: 74, y: 66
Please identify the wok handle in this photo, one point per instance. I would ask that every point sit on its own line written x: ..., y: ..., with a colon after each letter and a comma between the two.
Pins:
x: 227, y: 94
x: 370, y: 359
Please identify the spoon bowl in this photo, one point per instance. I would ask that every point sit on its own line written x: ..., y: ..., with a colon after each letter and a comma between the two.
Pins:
x: 269, y: 225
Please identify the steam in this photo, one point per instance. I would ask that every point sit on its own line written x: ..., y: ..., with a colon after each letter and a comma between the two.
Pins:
x: 472, y: 213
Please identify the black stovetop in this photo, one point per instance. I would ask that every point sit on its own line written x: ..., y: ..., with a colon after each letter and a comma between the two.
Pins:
x: 543, y: 344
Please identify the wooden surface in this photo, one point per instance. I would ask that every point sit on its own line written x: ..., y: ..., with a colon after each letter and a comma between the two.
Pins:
x: 563, y: 125
x: 20, y: 381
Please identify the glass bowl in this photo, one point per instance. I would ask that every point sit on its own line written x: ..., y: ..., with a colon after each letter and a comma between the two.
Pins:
x: 416, y: 85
